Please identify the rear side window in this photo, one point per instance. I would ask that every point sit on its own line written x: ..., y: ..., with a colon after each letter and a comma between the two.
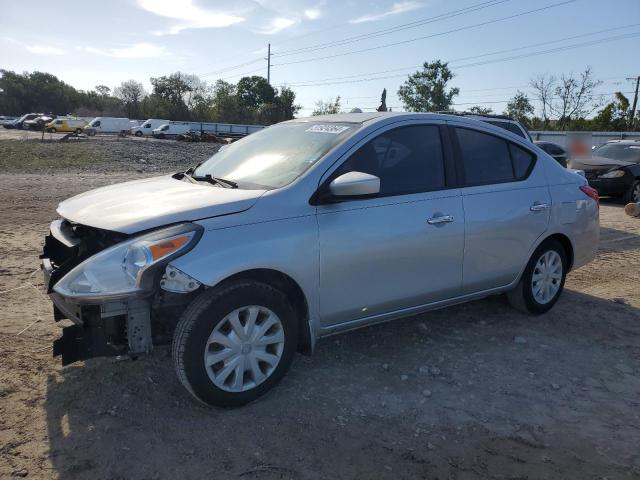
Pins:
x: 513, y: 128
x: 407, y: 160
x: 489, y: 159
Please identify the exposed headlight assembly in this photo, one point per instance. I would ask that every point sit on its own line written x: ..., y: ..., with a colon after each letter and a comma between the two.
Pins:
x: 128, y: 268
x: 612, y: 174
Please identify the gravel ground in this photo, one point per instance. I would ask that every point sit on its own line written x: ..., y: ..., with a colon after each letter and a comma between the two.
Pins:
x: 473, y: 391
x: 23, y: 152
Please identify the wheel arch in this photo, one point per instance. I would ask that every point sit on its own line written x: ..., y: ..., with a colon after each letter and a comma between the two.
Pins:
x: 566, y: 244
x: 291, y: 289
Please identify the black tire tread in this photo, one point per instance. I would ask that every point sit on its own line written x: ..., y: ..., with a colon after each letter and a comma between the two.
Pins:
x: 190, y: 316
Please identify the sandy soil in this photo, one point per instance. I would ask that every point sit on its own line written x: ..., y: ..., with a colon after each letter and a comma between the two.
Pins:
x: 474, y: 391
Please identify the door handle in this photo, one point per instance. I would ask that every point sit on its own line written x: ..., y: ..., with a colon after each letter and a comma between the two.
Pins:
x: 440, y: 219
x: 539, y: 207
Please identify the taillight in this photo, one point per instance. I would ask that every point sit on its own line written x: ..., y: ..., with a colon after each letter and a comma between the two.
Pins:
x: 591, y: 192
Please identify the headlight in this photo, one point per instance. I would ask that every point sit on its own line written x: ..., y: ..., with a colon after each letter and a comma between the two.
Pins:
x: 612, y: 174
x: 122, y: 270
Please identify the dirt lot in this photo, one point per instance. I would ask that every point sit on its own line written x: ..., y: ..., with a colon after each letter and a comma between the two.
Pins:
x: 474, y: 391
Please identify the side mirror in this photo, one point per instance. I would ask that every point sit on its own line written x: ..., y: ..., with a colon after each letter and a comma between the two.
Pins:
x: 355, y: 184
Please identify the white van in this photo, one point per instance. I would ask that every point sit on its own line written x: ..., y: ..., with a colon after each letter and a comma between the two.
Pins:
x: 148, y: 127
x: 108, y: 125
x: 172, y: 129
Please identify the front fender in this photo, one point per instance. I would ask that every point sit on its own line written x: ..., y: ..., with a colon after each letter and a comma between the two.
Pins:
x: 289, y: 246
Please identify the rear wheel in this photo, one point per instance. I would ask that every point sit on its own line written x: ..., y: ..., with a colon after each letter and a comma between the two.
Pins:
x: 542, y: 281
x: 232, y: 345
x: 633, y: 195
x: 78, y: 130
x: 138, y: 133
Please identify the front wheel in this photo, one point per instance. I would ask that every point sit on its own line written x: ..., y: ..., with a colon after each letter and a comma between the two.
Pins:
x: 138, y: 133
x: 542, y: 281
x: 233, y: 344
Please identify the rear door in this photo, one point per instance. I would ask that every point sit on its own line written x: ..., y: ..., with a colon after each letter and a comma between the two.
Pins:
x: 403, y: 247
x: 506, y: 203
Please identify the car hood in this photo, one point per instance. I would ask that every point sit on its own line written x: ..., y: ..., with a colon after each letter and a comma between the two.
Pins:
x: 153, y: 202
x: 597, y: 163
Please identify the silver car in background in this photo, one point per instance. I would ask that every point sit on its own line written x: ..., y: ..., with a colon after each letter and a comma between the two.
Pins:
x: 308, y: 228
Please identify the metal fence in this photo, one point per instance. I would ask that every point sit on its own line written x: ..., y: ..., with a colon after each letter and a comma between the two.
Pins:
x: 597, y: 138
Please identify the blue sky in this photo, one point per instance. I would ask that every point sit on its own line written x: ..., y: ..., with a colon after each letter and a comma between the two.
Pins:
x: 86, y: 43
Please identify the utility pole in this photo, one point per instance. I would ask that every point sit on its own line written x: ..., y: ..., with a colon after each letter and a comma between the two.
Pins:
x: 269, y: 65
x: 635, y: 101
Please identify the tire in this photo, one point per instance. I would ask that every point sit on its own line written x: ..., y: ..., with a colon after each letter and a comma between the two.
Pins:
x: 209, y: 313
x: 524, y: 296
x: 53, y: 130
x: 78, y: 131
x: 633, y: 195
x: 138, y: 133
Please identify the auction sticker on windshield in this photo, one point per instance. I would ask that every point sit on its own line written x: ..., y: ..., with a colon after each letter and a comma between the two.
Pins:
x: 327, y: 128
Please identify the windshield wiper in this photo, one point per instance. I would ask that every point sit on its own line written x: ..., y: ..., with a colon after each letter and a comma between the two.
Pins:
x: 189, y: 175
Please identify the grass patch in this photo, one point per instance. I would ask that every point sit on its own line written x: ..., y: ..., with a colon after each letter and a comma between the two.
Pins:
x: 33, y: 156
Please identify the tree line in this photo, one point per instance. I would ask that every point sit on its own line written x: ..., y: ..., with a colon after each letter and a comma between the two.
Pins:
x: 566, y: 101
x: 178, y: 96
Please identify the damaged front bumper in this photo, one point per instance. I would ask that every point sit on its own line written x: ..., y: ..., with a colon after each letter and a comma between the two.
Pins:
x: 102, y: 329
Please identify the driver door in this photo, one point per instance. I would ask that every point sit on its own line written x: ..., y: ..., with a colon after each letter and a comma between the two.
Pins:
x: 401, y: 248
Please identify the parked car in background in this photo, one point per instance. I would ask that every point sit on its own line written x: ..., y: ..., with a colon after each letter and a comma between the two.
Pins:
x: 38, y: 123
x: 309, y: 228
x: 503, y: 121
x: 66, y: 125
x: 555, y: 150
x: 172, y: 129
x: 19, y: 123
x: 108, y: 125
x: 4, y: 119
x: 146, y: 129
x: 613, y: 169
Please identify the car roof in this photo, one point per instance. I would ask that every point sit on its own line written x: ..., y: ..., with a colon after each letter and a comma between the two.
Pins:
x: 375, y: 117
x: 627, y: 142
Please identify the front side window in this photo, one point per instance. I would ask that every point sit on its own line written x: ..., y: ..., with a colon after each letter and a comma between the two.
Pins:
x: 274, y: 157
x: 407, y: 160
x: 95, y: 123
x: 489, y: 159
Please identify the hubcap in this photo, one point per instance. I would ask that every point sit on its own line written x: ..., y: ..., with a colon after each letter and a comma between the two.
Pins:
x: 547, y: 277
x: 244, y: 349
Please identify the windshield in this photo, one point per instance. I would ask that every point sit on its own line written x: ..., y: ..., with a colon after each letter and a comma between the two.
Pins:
x: 619, y: 151
x: 164, y: 127
x: 275, y: 156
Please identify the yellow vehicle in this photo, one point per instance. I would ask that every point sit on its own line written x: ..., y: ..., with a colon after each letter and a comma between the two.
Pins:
x: 65, y: 125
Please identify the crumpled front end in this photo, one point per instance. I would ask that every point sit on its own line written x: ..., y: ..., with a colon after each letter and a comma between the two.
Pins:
x: 127, y: 324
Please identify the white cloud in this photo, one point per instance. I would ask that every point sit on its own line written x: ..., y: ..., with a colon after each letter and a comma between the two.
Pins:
x: 137, y: 50
x: 44, y: 50
x: 36, y: 49
x: 277, y: 25
x: 188, y: 14
x: 312, y: 13
x: 396, y: 8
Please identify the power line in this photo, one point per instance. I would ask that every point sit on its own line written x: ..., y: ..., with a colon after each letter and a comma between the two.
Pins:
x: 313, y: 82
x: 403, y: 42
x: 486, y: 62
x: 390, y: 30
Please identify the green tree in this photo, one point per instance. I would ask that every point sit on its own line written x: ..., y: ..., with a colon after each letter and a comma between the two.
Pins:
x: 614, y: 116
x: 478, y: 110
x: 426, y: 90
x: 131, y: 94
x: 171, y: 91
x: 520, y: 108
x: 328, y: 107
x: 254, y: 91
